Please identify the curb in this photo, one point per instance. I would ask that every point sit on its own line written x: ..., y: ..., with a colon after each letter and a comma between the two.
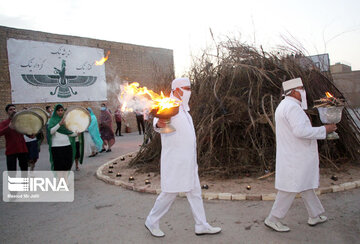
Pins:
x: 216, y: 195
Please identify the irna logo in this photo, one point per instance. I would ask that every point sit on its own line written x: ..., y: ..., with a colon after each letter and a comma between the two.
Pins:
x: 36, y: 184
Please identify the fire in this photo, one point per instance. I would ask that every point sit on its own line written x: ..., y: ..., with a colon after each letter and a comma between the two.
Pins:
x: 163, y: 102
x: 143, y: 95
x: 102, y: 61
x: 329, y: 101
x: 328, y: 95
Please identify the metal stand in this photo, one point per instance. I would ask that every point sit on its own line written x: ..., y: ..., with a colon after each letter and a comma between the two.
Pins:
x: 168, y: 128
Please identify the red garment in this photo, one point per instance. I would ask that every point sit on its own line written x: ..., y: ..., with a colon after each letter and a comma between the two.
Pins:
x: 105, y: 118
x: 118, y: 115
x: 106, y: 126
x: 15, y: 142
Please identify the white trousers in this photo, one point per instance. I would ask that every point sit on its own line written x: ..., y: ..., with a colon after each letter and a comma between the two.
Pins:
x: 89, y: 145
x: 284, y: 200
x: 163, y: 204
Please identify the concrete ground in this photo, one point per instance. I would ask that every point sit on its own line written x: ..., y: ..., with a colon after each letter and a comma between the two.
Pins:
x: 103, y: 213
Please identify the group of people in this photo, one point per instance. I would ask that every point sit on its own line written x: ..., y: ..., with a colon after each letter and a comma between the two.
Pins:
x: 142, y: 120
x: 98, y: 138
x: 65, y: 146
x: 297, y: 159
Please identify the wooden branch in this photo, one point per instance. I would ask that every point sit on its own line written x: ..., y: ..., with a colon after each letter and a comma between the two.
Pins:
x: 266, y: 175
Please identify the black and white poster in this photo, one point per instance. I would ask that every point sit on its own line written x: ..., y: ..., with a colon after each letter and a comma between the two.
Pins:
x: 42, y: 72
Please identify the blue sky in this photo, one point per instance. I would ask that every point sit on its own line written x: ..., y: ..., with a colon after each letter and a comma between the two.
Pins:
x: 320, y: 26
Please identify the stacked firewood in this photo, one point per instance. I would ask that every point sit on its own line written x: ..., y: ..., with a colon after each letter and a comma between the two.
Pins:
x: 235, y: 91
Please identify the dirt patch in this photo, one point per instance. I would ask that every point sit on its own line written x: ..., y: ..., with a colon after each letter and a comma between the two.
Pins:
x: 328, y: 177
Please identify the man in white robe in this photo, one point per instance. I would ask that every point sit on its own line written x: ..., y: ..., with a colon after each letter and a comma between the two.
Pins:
x: 179, y: 169
x: 297, y: 159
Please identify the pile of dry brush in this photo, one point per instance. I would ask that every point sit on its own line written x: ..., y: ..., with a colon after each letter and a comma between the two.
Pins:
x: 234, y: 96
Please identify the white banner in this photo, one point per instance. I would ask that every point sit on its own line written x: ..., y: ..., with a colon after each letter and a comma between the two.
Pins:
x: 42, y: 72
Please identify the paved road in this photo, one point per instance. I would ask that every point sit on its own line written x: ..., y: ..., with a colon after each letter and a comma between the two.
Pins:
x: 103, y: 213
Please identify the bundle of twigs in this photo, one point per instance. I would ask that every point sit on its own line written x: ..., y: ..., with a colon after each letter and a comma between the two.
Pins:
x: 235, y: 92
x: 329, y: 101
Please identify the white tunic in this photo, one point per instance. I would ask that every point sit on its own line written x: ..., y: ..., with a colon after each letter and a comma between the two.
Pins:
x: 58, y: 139
x: 297, y: 158
x: 178, y: 154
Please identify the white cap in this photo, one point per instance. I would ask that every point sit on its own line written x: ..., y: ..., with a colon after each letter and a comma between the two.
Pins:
x: 180, y: 82
x: 291, y: 84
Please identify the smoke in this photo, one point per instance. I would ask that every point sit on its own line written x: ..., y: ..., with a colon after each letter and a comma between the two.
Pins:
x: 133, y: 98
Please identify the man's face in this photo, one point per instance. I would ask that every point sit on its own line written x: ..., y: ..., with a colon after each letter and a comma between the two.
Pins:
x: 179, y: 91
x: 11, y: 111
x: 297, y: 94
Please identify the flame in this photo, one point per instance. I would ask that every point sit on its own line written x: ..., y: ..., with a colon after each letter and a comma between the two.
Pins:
x: 102, y: 61
x: 328, y: 95
x: 163, y: 103
x: 151, y: 99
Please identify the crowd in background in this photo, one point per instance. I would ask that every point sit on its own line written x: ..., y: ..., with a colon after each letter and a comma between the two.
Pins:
x: 65, y: 146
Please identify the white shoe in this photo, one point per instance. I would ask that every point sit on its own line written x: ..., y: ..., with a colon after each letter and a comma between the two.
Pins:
x: 278, y: 226
x: 318, y: 220
x: 155, y: 232
x: 209, y: 231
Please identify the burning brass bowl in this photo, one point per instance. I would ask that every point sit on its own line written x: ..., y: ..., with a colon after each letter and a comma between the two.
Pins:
x: 166, y: 114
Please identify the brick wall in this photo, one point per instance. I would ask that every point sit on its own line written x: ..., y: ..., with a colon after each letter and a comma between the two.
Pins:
x: 147, y: 65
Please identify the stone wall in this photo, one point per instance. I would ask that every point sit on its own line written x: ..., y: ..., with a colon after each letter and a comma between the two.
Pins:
x: 349, y: 84
x: 340, y: 68
x: 147, y: 65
